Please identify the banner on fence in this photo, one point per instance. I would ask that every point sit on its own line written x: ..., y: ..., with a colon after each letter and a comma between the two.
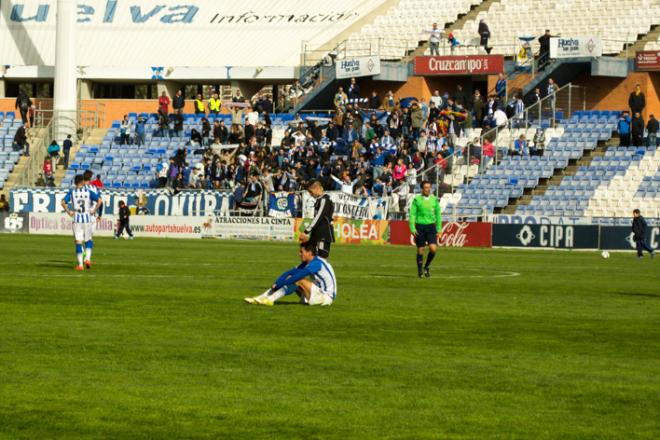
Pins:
x: 55, y: 223
x: 567, y: 47
x: 454, y: 234
x: 621, y: 238
x: 152, y: 202
x: 459, y: 65
x: 356, y: 67
x: 12, y: 223
x: 546, y: 236
x: 540, y: 220
x: 142, y: 225
x: 353, y: 231
x: 281, y: 204
x: 350, y: 206
x: 262, y: 228
x: 647, y: 60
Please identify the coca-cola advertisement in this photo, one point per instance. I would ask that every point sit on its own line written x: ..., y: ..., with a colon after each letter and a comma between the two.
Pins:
x: 454, y: 234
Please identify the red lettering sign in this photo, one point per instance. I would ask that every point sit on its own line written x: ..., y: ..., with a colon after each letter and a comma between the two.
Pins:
x: 454, y: 234
x: 648, y: 60
x: 460, y: 65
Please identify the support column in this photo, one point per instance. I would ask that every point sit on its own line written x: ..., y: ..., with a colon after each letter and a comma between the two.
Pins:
x: 166, y: 86
x: 3, y: 90
x: 86, y: 88
x: 65, y: 115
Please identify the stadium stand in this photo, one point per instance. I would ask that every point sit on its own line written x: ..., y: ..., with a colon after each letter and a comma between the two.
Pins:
x: 8, y: 157
x: 617, y: 22
x: 401, y: 29
x: 513, y: 175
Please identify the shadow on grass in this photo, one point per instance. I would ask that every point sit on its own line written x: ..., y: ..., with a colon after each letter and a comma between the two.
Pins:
x: 55, y: 263
x: 644, y: 295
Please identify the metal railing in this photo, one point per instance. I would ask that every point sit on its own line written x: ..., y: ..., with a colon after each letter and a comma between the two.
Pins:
x: 545, y: 113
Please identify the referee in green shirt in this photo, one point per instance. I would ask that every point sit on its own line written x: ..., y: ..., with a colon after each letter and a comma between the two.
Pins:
x: 426, y: 226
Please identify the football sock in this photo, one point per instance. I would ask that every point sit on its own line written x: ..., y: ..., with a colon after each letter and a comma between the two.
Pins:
x: 264, y: 295
x: 420, y: 261
x: 429, y: 259
x: 279, y: 293
x: 79, y: 254
x: 291, y: 288
x: 88, y: 250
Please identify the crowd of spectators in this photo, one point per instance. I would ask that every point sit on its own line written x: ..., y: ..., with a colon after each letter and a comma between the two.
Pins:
x: 373, y: 145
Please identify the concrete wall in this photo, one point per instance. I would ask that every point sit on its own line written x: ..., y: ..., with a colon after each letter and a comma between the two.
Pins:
x: 612, y: 93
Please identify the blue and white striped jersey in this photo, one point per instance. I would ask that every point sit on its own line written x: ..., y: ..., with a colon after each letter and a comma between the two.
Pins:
x: 82, y: 200
x: 97, y: 191
x: 323, y: 275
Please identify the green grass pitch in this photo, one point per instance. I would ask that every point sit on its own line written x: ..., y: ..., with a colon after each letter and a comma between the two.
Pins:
x: 156, y: 342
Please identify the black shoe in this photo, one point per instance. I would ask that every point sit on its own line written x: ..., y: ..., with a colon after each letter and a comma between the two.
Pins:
x: 427, y: 272
x: 420, y: 273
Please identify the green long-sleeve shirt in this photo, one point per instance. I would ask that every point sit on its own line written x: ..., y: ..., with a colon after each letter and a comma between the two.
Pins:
x: 425, y: 211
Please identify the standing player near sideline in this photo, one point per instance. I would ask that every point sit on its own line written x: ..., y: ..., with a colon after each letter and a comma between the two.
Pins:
x: 319, y: 232
x: 320, y: 290
x: 426, y: 225
x: 89, y: 244
x: 123, y: 222
x: 81, y: 198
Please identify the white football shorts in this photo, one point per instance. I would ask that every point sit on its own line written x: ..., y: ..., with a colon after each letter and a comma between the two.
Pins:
x: 318, y: 297
x: 82, y: 232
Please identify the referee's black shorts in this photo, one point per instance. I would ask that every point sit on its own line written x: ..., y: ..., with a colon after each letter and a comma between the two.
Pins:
x: 426, y: 234
x: 322, y: 245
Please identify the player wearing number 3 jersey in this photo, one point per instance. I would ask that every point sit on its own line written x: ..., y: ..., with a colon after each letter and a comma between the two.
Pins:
x: 84, y: 204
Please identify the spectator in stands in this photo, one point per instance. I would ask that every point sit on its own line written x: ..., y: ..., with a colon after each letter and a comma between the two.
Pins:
x: 460, y: 97
x: 178, y: 125
x: 520, y: 147
x: 4, y: 204
x: 434, y: 39
x: 416, y: 119
x: 97, y: 182
x: 637, y: 130
x: 639, y: 235
x: 164, y: 103
x: 345, y: 184
x: 519, y: 111
x: 484, y: 35
x: 53, y: 151
x: 437, y: 99
x: 340, y: 99
x: 500, y: 118
x: 238, y: 97
x: 637, y: 100
x: 200, y: 108
x: 214, y: 104
x: 251, y: 119
x: 20, y: 141
x: 551, y: 93
x: 140, y: 131
x: 179, y: 102
x: 624, y: 128
x: 66, y: 150
x: 539, y: 142
x: 125, y: 131
x: 254, y: 190
x: 500, y: 87
x: 206, y: 132
x: 267, y: 105
x: 535, y: 97
x: 487, y: 153
x: 195, y: 138
x: 453, y: 42
x: 374, y: 101
x: 163, y: 123
x: 353, y: 91
x: 652, y: 129
x: 220, y: 131
x: 49, y: 179
x: 478, y: 107
x: 23, y: 104
x: 544, y: 52
x: 162, y: 173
